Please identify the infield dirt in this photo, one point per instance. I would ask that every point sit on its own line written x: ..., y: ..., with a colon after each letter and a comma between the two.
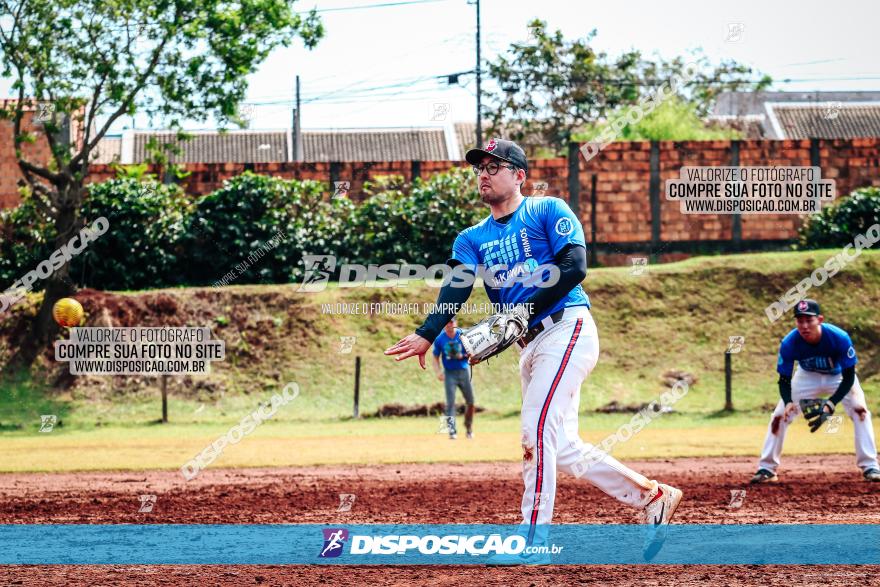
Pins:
x: 813, y: 489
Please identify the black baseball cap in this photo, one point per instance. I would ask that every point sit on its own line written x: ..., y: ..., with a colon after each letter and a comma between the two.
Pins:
x: 500, y: 149
x: 807, y: 308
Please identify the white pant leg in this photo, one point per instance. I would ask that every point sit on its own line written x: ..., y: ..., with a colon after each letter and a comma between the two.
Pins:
x: 856, y: 408
x: 773, y: 441
x: 592, y: 464
x: 810, y: 385
x: 804, y: 385
x: 553, y: 367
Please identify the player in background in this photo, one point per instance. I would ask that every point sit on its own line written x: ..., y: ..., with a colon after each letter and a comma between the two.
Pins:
x: 455, y: 373
x: 826, y: 369
x: 560, y: 348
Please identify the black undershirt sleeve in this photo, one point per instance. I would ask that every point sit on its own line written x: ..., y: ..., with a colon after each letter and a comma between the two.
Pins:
x: 451, y: 297
x: 572, y: 263
x: 785, y: 389
x: 849, y: 377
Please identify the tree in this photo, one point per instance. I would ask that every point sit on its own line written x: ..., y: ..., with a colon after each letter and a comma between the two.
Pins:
x: 672, y: 120
x: 549, y: 88
x: 88, y: 62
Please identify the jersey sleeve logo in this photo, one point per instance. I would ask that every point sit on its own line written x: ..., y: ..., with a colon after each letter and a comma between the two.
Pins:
x: 564, y: 227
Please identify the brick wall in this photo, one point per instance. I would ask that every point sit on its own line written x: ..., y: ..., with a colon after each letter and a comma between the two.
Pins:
x: 623, y: 211
x: 37, y: 152
x: 10, y: 174
x: 623, y: 207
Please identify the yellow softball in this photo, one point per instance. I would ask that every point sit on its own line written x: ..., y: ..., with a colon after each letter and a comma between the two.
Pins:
x: 67, y: 312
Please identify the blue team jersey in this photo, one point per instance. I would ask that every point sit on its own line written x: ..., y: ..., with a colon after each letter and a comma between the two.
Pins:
x: 832, y: 354
x: 512, y: 252
x: 454, y: 356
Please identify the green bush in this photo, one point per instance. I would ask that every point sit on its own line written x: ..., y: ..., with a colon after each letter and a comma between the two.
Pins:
x: 157, y: 237
x: 324, y: 229
x: 236, y: 220
x: 442, y: 207
x: 394, y: 225
x: 27, y: 237
x: 838, y: 224
x: 142, y: 245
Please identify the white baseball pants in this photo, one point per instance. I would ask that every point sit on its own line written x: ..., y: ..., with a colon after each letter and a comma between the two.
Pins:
x: 810, y: 385
x: 552, y: 367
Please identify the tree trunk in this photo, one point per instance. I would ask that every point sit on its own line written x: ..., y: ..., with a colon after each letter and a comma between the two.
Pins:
x: 43, y: 327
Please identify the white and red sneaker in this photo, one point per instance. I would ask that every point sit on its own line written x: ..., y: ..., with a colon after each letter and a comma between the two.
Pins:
x: 657, y: 515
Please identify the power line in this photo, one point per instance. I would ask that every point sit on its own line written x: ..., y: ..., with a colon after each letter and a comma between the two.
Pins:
x: 126, y: 26
x: 351, y: 99
x: 362, y: 90
x: 385, y: 5
x: 317, y: 93
x: 368, y: 92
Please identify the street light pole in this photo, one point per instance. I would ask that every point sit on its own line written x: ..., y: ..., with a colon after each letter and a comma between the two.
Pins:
x: 479, y: 75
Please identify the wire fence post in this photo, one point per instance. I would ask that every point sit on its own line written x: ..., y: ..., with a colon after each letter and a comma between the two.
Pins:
x: 728, y: 379
x: 164, y: 399
x: 357, y: 386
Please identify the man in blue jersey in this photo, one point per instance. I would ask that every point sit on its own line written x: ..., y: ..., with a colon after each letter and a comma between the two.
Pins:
x: 826, y: 369
x: 455, y: 373
x: 532, y: 257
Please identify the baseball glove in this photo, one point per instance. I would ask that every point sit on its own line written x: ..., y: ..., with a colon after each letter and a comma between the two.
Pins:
x: 492, y: 335
x: 814, y: 411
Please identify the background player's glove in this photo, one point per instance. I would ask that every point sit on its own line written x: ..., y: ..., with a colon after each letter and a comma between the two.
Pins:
x: 814, y: 411
x: 492, y: 335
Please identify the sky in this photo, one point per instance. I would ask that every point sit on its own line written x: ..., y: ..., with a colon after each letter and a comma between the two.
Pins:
x: 412, y: 47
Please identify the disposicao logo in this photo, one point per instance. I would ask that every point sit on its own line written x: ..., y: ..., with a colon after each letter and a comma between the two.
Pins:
x: 334, y: 540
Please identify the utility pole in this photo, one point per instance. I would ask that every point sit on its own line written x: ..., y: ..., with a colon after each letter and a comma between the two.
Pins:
x: 297, y: 129
x: 479, y: 76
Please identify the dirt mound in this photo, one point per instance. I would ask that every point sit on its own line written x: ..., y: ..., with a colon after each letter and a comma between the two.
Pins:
x: 615, y: 407
x: 672, y: 376
x: 436, y: 409
x: 258, y: 328
x: 141, y: 310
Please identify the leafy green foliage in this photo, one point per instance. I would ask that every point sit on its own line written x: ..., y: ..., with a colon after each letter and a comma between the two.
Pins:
x: 673, y: 120
x: 416, y: 225
x: 26, y: 238
x: 194, y: 56
x: 140, y: 248
x: 256, y: 228
x: 837, y: 225
x: 238, y: 219
x: 550, y: 87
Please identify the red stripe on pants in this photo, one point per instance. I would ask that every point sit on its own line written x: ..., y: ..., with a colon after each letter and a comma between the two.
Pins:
x: 541, y: 419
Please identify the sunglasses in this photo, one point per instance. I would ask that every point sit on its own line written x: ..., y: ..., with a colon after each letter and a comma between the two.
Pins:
x: 491, y: 168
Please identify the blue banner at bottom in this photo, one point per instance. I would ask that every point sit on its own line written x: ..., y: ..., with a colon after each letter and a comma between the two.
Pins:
x: 428, y: 544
